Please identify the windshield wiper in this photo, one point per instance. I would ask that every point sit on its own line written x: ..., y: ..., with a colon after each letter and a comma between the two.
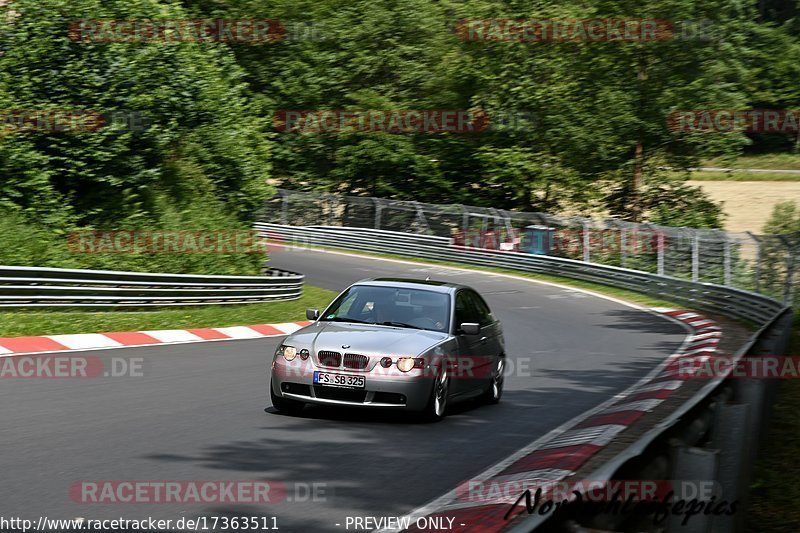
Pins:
x: 399, y: 324
x: 345, y: 319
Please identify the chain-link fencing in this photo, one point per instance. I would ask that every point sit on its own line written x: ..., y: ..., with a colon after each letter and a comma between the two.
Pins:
x: 765, y: 264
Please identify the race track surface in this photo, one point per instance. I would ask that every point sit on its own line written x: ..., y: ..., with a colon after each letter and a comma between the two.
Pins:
x: 202, y: 412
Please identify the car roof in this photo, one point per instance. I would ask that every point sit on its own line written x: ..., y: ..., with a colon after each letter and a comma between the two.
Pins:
x: 410, y: 283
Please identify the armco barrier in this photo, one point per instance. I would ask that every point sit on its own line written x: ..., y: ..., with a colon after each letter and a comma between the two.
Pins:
x: 719, y: 429
x: 33, y: 287
x: 728, y: 301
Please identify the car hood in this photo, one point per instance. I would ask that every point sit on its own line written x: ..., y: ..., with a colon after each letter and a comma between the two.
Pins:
x: 365, y: 339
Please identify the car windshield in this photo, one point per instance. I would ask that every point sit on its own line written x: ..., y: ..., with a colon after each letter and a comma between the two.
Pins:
x: 391, y: 306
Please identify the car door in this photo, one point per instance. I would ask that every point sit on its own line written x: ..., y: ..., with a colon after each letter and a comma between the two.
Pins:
x: 462, y: 377
x: 487, y: 346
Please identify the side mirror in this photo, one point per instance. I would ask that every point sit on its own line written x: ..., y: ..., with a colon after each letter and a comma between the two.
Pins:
x: 312, y: 314
x: 470, y: 328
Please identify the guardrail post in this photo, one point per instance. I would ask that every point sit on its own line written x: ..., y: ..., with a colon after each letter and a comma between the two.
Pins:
x: 696, y: 256
x: 729, y: 436
x: 752, y: 392
x: 692, y: 465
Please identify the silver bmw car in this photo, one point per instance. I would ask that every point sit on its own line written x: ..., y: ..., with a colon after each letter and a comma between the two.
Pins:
x: 393, y: 343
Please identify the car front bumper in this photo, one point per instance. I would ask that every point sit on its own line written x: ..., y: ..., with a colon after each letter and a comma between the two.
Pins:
x: 384, y: 388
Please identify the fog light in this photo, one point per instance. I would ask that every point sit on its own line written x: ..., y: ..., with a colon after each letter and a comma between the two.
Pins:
x: 304, y: 354
x: 386, y: 362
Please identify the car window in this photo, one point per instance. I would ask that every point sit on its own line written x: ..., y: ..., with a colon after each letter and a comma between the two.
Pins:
x: 401, y: 307
x: 465, y: 309
x: 347, y: 303
x: 484, y: 315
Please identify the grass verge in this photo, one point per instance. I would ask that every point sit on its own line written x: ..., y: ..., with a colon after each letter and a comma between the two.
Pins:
x: 24, y: 322
x: 768, y: 161
x: 775, y: 490
x: 709, y: 175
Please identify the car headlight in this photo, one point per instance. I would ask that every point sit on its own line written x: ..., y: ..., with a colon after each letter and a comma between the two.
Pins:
x: 404, y: 364
x: 289, y: 352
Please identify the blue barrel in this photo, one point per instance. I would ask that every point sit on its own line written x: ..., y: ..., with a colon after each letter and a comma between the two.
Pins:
x: 538, y: 240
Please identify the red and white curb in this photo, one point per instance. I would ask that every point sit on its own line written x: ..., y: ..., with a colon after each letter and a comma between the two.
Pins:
x: 11, y: 346
x: 559, y: 454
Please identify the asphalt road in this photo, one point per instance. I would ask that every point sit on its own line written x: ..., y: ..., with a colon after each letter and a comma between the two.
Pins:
x: 201, y: 412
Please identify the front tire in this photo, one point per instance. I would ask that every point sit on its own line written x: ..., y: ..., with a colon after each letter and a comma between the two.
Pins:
x: 437, y: 404
x: 285, y: 405
x: 495, y: 390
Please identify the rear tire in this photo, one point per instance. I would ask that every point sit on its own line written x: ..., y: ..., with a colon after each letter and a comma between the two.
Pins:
x: 285, y: 405
x: 437, y: 404
x: 495, y: 391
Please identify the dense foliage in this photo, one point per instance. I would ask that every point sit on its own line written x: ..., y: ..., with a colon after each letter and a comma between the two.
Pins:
x: 199, y: 159
x: 587, y: 131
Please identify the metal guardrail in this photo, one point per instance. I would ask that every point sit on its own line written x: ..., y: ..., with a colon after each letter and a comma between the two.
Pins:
x: 765, y: 264
x: 718, y: 430
x: 30, y: 287
x: 707, y: 296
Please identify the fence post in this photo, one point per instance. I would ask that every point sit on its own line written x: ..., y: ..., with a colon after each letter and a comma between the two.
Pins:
x: 464, y: 222
x: 787, y: 283
x: 758, y: 262
x: 660, y: 251
x: 623, y: 246
x: 696, y: 256
x: 795, y: 254
x: 511, y: 234
x: 586, y: 252
x: 727, y: 259
x: 284, y: 207
x: 421, y: 218
x: 332, y: 201
x: 378, y: 209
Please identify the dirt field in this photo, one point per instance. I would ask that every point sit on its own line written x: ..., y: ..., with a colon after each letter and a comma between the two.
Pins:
x: 748, y: 204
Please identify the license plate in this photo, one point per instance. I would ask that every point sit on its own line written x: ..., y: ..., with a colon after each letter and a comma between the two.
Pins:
x: 339, y: 380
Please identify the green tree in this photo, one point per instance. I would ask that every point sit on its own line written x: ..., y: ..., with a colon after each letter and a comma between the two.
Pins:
x: 199, y: 153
